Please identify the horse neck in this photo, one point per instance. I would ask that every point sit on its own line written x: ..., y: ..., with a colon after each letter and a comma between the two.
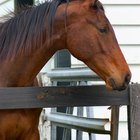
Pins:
x: 22, y: 68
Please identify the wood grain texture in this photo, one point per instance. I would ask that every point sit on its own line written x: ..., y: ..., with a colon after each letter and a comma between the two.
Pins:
x: 36, y: 97
x: 134, y: 112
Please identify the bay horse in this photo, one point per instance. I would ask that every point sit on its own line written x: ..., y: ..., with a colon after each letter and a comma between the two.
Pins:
x: 29, y: 40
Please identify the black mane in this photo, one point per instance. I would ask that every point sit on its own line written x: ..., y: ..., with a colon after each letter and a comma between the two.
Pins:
x: 25, y: 28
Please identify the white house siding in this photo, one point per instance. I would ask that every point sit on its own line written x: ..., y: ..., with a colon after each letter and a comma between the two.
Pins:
x: 6, y: 7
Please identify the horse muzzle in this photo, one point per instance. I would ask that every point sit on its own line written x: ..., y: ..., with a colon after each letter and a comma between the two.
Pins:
x: 113, y: 84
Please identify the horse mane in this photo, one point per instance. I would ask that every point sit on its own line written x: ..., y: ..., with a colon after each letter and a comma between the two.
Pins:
x: 24, y: 29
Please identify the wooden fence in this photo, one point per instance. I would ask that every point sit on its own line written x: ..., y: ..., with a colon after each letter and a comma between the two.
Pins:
x: 42, y: 97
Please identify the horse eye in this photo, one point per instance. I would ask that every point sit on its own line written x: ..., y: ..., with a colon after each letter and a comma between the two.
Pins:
x: 103, y: 30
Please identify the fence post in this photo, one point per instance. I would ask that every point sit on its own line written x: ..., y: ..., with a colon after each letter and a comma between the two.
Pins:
x: 114, y: 122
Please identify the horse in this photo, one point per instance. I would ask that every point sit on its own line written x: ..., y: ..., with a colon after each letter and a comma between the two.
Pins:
x: 30, y: 38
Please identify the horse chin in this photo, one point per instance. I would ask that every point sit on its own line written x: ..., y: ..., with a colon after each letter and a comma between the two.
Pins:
x: 119, y: 88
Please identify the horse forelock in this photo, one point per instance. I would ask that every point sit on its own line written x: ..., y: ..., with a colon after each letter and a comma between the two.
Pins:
x: 24, y: 29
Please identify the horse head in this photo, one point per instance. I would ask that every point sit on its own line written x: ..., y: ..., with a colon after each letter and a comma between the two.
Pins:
x: 91, y: 38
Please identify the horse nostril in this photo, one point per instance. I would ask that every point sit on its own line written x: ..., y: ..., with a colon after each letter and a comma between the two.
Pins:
x: 127, y: 79
x: 119, y: 85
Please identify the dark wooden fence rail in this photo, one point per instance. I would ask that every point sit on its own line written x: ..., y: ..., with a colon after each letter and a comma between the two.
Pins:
x: 40, y: 97
x: 43, y: 97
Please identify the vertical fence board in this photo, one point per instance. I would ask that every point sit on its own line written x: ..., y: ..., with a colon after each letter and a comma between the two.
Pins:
x: 135, y: 112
